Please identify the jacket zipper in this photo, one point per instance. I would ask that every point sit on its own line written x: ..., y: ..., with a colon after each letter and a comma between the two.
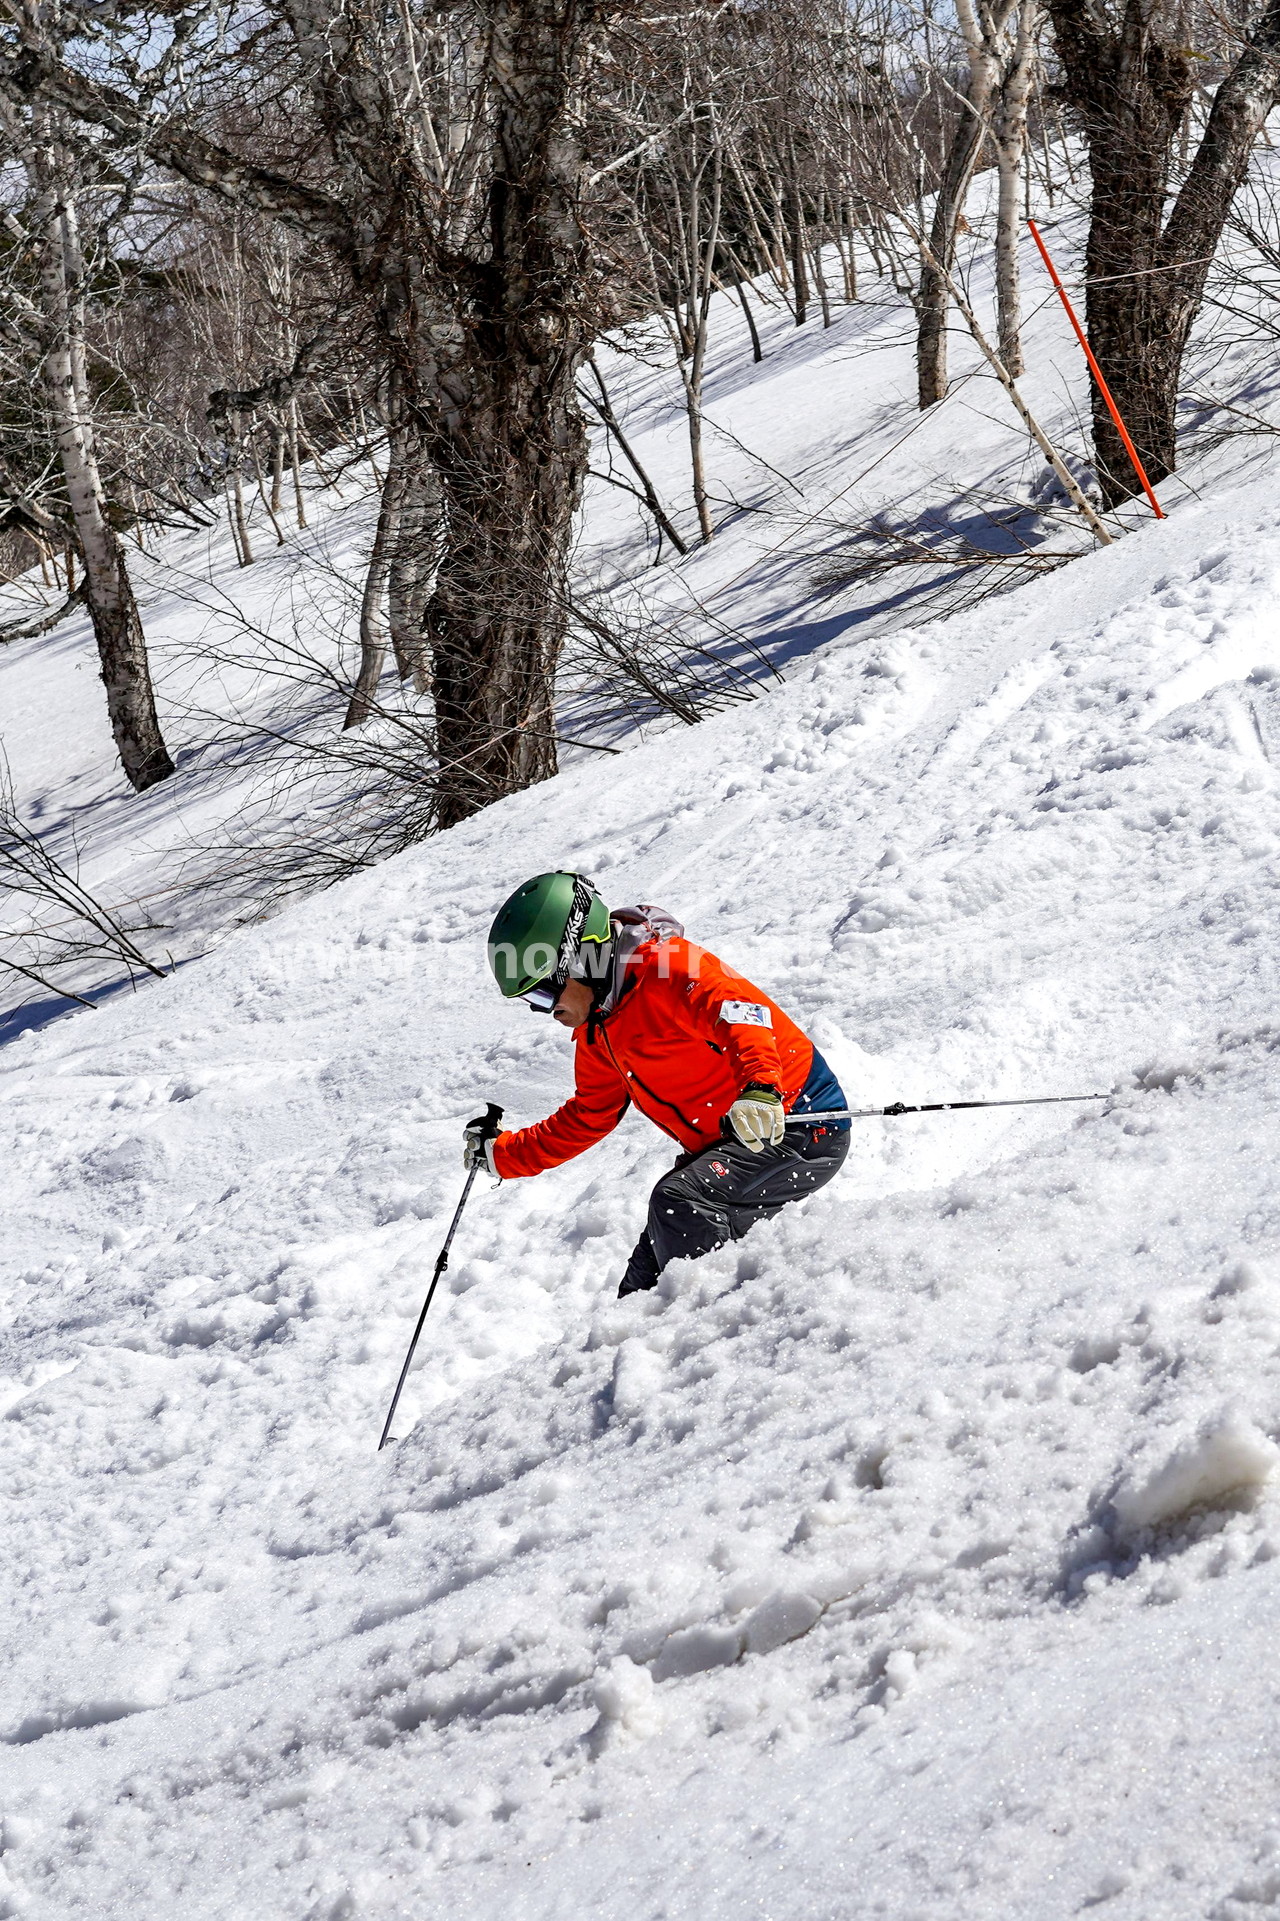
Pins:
x: 626, y: 1075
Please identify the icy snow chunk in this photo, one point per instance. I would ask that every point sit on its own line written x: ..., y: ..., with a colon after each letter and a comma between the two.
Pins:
x: 637, y: 1377
x: 1163, y: 1076
x: 696, y: 1650
x: 748, y: 1591
x: 134, y: 1093
x: 1245, y: 1289
x: 783, y: 1617
x: 1229, y: 1456
x: 627, y: 1703
x: 18, y: 1832
x: 140, y: 1157
x: 899, y: 1674
x: 1095, y: 1350
x: 1243, y: 1277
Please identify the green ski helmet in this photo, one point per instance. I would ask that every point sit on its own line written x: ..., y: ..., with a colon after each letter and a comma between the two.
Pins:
x: 553, y: 926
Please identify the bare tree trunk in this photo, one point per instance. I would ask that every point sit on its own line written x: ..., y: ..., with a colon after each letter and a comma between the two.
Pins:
x: 1011, y: 143
x: 700, y: 307
x: 757, y: 352
x: 290, y: 346
x: 300, y: 505
x: 237, y: 496
x: 122, y: 651
x: 412, y: 577
x: 1147, y: 274
x: 778, y: 250
x: 847, y: 243
x: 262, y: 489
x: 373, y: 617
x: 931, y: 335
x: 819, y: 276
x: 982, y: 23
x: 402, y: 564
x: 931, y: 302
x: 799, y: 276
x: 277, y: 466
x: 692, y: 215
x: 496, y: 620
x: 413, y: 563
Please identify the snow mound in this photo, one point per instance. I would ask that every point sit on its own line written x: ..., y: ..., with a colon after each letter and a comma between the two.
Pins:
x: 1228, y: 1460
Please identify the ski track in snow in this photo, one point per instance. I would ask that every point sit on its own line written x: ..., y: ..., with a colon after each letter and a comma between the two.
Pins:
x: 915, y: 1557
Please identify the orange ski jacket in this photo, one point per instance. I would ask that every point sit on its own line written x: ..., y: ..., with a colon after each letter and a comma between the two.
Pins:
x: 685, y: 1038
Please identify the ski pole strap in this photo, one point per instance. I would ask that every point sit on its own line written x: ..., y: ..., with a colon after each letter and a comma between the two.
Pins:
x: 930, y: 1107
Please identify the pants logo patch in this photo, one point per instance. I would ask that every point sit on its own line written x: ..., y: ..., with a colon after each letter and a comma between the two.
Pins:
x: 718, y: 1167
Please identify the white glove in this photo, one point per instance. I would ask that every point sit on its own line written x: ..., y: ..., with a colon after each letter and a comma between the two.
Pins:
x: 758, y: 1117
x: 477, y: 1147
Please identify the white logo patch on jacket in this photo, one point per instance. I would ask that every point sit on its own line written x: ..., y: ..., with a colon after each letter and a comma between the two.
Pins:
x: 745, y: 1014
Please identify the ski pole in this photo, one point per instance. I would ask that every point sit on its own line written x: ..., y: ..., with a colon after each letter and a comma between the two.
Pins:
x: 931, y: 1107
x: 493, y: 1114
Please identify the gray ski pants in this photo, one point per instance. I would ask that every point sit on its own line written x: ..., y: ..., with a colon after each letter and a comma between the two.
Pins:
x: 716, y: 1195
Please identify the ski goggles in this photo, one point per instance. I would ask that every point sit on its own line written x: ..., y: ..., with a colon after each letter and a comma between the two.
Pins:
x: 544, y: 996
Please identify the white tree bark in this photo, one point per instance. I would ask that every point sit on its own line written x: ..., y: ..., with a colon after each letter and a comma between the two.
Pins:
x: 982, y: 26
x: 55, y: 223
x: 1010, y: 131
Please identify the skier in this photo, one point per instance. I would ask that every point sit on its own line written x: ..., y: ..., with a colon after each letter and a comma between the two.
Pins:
x: 662, y: 1024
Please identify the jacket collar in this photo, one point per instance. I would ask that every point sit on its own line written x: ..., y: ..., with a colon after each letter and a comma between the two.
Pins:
x: 632, y: 928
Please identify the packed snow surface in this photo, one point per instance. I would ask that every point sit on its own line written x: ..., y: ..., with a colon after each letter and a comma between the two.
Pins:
x: 919, y: 1556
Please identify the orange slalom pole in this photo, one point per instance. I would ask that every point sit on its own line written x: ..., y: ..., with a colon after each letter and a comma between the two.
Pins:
x: 1096, y: 370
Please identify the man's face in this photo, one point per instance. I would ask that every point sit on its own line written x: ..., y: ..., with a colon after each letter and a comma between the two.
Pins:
x: 573, y: 1005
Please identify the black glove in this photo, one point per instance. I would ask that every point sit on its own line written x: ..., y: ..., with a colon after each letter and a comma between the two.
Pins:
x: 478, y: 1139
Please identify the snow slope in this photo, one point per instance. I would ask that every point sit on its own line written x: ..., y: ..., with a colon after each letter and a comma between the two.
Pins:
x: 916, y: 1557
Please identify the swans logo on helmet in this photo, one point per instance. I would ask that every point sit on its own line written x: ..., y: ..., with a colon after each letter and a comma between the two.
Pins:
x: 582, y: 892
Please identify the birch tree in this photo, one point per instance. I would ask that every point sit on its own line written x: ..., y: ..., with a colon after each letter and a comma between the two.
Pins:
x: 53, y: 324
x: 1009, y: 131
x: 984, y: 29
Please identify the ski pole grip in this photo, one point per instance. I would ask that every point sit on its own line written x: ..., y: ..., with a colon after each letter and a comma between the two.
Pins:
x: 492, y: 1115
